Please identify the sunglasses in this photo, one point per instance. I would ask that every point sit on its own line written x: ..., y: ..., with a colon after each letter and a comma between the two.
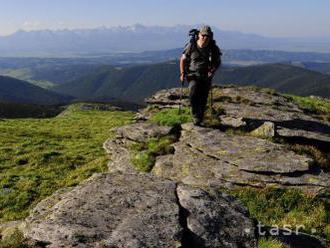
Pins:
x: 205, y: 35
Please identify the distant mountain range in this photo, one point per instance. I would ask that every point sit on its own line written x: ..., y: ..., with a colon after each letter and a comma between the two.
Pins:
x: 123, y: 78
x: 135, y: 83
x: 138, y: 38
x: 17, y: 91
x: 47, y: 72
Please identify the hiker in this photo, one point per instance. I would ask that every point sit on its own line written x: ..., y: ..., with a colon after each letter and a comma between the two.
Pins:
x: 199, y: 61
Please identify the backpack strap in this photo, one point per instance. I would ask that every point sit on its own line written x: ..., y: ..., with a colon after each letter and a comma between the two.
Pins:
x: 214, y: 56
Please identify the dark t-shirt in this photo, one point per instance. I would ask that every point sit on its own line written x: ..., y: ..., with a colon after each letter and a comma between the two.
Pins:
x: 199, y: 58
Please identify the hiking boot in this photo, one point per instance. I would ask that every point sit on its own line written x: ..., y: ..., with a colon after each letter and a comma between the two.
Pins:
x: 197, y: 122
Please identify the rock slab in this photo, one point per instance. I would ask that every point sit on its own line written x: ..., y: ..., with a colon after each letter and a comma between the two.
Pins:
x: 109, y: 210
x: 138, y: 211
x: 205, y: 156
x: 213, y: 219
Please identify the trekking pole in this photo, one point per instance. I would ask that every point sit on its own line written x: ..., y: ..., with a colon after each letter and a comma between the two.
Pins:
x: 211, y: 100
x: 181, y: 93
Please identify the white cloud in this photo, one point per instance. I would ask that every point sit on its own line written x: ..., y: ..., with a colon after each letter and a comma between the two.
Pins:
x: 29, y: 25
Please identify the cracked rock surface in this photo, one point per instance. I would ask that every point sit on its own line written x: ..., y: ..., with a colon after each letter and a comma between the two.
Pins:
x: 205, y: 156
x: 113, y: 210
x: 212, y: 219
x: 141, y: 132
x: 139, y: 210
x: 126, y: 135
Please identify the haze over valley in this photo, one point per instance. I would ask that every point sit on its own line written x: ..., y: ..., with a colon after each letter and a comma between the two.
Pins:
x: 139, y: 38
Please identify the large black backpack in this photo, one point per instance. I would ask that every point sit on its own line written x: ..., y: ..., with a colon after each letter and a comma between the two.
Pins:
x: 193, y: 34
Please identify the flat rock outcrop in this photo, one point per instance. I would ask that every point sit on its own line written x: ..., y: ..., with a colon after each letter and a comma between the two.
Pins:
x: 141, y: 132
x: 246, y: 106
x: 110, y: 210
x: 139, y: 210
x: 205, y: 156
x: 126, y: 135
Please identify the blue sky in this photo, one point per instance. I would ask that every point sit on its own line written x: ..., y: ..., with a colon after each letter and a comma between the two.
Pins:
x: 266, y: 17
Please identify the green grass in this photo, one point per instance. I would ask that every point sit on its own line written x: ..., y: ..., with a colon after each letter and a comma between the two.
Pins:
x: 321, y: 159
x: 143, y: 155
x: 39, y: 156
x: 143, y: 161
x: 270, y: 243
x: 312, y: 104
x: 14, y: 240
x: 171, y: 117
x: 273, y: 206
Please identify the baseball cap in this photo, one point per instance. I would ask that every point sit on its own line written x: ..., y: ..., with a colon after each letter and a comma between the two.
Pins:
x: 206, y: 30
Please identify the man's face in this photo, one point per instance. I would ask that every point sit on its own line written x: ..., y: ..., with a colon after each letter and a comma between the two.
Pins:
x: 204, y: 38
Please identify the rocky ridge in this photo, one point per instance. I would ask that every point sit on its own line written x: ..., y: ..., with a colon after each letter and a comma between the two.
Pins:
x: 180, y: 202
x: 250, y: 158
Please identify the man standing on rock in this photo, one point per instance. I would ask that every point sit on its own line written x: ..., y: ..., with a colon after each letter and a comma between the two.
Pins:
x: 199, y: 61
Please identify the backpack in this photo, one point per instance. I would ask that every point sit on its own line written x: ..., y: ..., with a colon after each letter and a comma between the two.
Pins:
x: 193, y: 33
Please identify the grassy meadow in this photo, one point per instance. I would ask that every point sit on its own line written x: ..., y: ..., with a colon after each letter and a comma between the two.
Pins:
x: 39, y: 156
